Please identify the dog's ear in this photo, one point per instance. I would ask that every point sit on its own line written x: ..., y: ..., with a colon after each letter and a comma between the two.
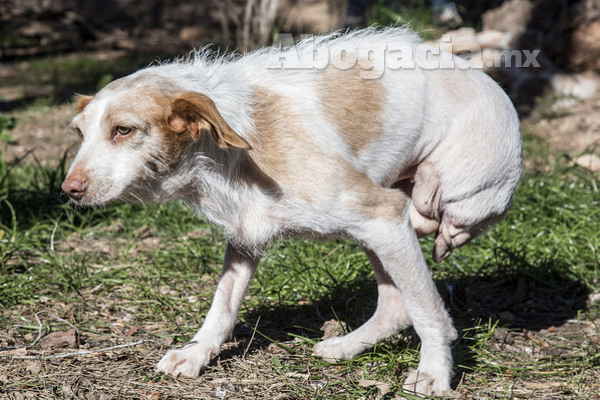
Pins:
x: 82, y: 101
x: 196, y: 113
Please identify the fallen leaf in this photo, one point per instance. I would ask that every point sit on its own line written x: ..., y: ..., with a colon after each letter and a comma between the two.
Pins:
x: 383, y: 387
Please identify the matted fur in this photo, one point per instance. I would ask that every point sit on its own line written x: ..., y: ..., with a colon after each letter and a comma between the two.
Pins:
x: 266, y: 152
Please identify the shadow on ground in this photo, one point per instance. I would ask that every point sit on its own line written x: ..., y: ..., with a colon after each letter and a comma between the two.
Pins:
x: 522, y: 297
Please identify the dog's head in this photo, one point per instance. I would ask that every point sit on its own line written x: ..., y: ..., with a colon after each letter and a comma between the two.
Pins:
x: 134, y: 132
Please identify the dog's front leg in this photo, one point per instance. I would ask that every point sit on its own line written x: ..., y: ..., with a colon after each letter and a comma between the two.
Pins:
x: 238, y: 269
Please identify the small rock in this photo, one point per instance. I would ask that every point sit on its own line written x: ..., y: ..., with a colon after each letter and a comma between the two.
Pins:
x: 333, y: 328
x: 230, y: 387
x: 504, y: 336
x: 459, y: 35
x: 93, y: 395
x: 60, y: 339
x: 575, y: 85
x: 192, y: 299
x: 220, y: 393
x: 590, y: 162
x: 497, y: 40
x: 594, y: 298
x: 512, y: 17
x: 585, y: 49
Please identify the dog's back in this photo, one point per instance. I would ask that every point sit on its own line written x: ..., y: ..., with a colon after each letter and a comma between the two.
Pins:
x: 448, y: 137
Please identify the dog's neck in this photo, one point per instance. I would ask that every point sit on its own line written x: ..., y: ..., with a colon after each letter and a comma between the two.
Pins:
x: 226, y: 187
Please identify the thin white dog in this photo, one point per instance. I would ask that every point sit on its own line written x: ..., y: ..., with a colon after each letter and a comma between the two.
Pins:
x: 326, y: 138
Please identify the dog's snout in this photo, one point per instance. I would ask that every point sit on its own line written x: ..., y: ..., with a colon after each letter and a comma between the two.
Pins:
x: 74, y: 187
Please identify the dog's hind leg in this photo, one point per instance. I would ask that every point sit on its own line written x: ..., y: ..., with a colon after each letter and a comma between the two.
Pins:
x: 238, y: 269
x: 389, y: 317
x: 386, y: 230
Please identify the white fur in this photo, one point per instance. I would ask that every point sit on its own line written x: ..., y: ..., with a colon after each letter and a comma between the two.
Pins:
x: 452, y: 134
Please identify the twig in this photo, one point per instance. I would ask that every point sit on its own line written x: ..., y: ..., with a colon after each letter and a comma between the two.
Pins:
x: 251, y: 338
x: 40, y: 330
x: 80, y: 353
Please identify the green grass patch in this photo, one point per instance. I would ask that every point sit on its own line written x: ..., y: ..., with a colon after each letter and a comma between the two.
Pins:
x: 417, y: 15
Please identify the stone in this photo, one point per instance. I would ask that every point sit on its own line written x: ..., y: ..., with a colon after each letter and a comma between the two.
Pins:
x: 591, y: 162
x: 511, y: 17
x: 576, y: 85
x: 58, y: 340
x: 465, y: 34
x: 492, y: 39
x: 584, y: 51
x: 333, y: 328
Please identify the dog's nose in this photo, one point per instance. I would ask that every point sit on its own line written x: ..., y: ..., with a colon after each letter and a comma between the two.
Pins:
x: 75, y: 188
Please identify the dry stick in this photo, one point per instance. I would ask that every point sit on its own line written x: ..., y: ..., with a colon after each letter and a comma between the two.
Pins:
x: 80, y: 353
x: 251, y: 338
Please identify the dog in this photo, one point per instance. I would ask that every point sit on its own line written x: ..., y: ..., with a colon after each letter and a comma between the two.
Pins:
x: 336, y: 136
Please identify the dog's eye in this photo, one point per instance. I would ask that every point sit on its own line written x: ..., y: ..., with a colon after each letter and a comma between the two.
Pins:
x: 123, y: 130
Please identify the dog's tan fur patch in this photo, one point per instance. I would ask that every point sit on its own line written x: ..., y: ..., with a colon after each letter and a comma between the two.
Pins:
x: 196, y: 114
x: 280, y: 132
x: 353, y: 104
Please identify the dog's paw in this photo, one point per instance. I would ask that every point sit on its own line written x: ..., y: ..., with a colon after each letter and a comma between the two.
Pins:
x: 333, y: 349
x: 187, y: 362
x: 423, y: 383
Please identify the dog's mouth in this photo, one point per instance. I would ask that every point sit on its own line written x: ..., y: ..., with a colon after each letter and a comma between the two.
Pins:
x: 86, y: 199
x: 84, y: 195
